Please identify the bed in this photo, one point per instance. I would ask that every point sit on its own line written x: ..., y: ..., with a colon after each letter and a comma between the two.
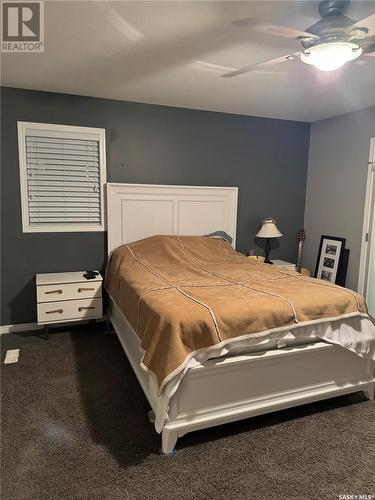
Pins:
x: 297, y: 358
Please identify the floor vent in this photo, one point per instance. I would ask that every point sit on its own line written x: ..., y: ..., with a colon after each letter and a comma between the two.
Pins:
x: 11, y: 356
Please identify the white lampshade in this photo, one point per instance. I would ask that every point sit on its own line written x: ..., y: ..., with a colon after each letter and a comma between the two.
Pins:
x: 269, y: 229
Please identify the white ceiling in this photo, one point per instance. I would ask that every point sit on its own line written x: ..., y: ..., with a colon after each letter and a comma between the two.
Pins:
x: 169, y: 53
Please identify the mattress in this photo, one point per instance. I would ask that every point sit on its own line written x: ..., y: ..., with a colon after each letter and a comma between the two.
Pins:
x: 196, y: 297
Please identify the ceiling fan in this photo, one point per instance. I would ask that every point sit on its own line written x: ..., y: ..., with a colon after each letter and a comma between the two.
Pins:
x: 328, y: 44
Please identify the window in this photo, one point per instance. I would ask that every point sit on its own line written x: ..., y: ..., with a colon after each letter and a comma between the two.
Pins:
x: 62, y: 174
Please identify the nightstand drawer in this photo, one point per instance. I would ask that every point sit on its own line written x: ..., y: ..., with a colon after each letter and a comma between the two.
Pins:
x: 68, y: 291
x: 67, y: 310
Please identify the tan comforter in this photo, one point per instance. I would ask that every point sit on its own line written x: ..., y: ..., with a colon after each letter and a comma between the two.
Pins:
x: 183, y: 294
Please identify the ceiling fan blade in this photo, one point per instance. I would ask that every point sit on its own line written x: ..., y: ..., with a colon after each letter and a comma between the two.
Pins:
x: 246, y: 22
x: 367, y: 22
x: 251, y: 67
x: 273, y: 29
x: 292, y: 33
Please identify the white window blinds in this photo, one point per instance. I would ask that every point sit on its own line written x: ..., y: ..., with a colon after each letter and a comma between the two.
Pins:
x: 63, y: 177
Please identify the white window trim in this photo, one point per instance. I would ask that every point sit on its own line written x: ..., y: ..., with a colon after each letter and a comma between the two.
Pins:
x: 59, y: 228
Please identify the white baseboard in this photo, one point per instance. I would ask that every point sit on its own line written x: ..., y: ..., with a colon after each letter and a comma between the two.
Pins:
x: 26, y: 327
x: 21, y: 327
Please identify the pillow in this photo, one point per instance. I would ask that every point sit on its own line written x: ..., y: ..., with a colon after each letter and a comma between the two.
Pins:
x: 220, y: 234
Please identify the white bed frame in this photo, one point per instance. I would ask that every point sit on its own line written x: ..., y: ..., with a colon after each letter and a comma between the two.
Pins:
x: 232, y: 388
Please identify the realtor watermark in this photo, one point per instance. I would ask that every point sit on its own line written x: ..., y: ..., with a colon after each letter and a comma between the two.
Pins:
x: 22, y: 26
x: 355, y: 496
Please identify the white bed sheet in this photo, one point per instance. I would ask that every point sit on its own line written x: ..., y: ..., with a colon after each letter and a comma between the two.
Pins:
x: 356, y: 334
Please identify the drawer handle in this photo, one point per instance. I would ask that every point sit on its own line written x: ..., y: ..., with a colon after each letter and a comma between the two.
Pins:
x: 56, y: 311
x: 53, y: 291
x: 85, y: 289
x: 82, y: 308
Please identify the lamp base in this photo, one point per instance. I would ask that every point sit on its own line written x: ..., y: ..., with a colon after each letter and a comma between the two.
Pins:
x: 267, y: 250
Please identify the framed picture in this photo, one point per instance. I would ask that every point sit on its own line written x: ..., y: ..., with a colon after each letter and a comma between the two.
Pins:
x: 330, y: 258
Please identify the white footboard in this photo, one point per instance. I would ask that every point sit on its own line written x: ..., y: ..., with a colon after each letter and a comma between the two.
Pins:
x: 228, y: 389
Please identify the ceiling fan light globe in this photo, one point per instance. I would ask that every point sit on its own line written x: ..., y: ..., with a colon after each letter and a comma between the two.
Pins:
x: 331, y: 56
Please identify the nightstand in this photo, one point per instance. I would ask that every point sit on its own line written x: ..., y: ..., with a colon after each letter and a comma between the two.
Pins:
x: 284, y: 264
x: 290, y: 267
x: 280, y: 263
x: 64, y: 297
x: 256, y: 258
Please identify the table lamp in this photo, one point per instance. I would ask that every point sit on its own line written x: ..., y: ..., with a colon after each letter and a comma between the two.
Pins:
x: 268, y: 230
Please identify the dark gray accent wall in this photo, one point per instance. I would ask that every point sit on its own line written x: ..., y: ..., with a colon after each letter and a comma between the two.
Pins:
x: 266, y: 158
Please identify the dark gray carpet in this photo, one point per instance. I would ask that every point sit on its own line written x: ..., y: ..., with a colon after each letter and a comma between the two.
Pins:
x: 74, y: 425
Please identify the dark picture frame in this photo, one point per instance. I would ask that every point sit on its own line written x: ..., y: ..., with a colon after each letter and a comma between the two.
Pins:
x: 332, y: 259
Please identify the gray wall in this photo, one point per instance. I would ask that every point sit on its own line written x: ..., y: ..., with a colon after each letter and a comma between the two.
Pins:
x: 336, y: 186
x: 266, y: 158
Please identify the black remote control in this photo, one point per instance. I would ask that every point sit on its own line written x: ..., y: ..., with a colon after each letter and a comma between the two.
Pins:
x: 90, y: 275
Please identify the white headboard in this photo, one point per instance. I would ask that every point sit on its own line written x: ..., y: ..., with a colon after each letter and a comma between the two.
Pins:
x: 135, y: 211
